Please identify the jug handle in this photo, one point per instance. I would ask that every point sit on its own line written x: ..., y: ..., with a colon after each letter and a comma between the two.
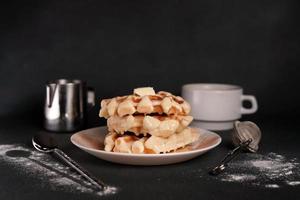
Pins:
x: 90, y: 97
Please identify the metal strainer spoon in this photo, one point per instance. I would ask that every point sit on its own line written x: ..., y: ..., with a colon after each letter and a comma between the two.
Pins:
x: 246, y: 137
x: 64, y: 157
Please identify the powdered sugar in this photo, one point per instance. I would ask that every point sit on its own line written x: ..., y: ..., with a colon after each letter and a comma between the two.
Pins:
x: 55, y: 175
x: 270, y: 171
x: 293, y: 183
x: 272, y: 186
x: 239, y: 177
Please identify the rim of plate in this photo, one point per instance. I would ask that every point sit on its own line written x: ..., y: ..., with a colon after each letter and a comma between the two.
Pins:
x: 146, y: 155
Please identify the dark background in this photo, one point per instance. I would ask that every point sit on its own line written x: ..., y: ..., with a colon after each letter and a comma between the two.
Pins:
x: 119, y: 45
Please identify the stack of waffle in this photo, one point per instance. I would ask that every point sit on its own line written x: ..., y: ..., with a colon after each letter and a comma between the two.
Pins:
x: 147, y: 122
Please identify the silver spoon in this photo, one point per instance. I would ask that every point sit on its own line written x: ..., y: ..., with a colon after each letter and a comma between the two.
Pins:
x: 246, y: 136
x: 64, y: 157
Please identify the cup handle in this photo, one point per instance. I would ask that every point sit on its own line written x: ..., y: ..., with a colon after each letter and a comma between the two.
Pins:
x: 253, y: 101
x: 90, y: 97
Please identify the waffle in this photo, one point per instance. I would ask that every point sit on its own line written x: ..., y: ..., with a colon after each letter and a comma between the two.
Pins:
x: 161, y: 126
x: 147, y: 122
x: 144, y: 103
x: 153, y: 144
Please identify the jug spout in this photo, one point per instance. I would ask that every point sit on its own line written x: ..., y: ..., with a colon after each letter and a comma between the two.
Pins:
x: 50, y: 93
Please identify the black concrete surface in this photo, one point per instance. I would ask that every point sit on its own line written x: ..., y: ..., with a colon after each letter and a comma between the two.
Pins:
x: 188, y: 180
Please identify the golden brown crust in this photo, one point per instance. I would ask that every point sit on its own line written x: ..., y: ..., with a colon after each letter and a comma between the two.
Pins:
x: 160, y: 103
x: 150, y: 144
x: 162, y: 126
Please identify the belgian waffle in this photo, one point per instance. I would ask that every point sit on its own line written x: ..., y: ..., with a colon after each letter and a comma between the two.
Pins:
x: 153, y: 103
x: 161, y: 126
x: 147, y: 122
x: 152, y: 144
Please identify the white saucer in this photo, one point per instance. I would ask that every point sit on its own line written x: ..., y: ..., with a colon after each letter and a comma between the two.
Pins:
x: 213, y: 125
x: 91, y: 141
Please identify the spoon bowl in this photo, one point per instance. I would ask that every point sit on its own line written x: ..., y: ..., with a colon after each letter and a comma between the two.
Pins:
x: 39, y: 147
x: 244, y: 131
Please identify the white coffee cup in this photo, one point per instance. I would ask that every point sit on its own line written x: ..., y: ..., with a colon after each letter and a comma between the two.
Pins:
x: 217, y: 106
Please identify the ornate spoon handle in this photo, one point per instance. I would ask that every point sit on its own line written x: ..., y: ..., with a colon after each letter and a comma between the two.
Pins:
x: 231, y: 155
x: 64, y: 157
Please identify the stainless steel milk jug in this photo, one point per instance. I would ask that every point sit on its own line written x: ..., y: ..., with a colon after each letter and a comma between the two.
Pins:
x: 66, y: 105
